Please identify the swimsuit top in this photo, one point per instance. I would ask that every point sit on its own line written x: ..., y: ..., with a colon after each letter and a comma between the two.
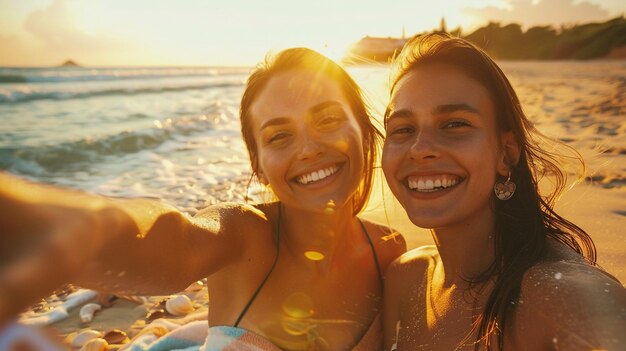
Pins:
x: 236, y: 338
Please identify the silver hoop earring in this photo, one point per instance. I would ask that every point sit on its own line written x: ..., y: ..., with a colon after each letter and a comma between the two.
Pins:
x: 504, y: 190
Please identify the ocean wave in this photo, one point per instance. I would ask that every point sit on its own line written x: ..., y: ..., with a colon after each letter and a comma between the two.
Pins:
x: 85, y: 74
x: 26, y: 95
x: 74, y: 155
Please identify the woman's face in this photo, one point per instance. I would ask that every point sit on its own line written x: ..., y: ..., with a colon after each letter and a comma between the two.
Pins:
x: 309, y: 144
x: 442, y: 153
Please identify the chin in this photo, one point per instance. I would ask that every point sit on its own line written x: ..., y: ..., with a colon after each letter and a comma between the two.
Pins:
x: 426, y: 220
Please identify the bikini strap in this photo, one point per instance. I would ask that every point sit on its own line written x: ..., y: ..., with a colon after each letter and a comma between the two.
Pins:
x: 369, y: 241
x: 258, y: 290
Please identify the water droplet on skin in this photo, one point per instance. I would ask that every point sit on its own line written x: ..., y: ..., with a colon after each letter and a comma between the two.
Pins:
x: 121, y: 274
x: 558, y: 275
x: 554, y: 340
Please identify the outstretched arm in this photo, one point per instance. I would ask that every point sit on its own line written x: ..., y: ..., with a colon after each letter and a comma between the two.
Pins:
x: 51, y: 236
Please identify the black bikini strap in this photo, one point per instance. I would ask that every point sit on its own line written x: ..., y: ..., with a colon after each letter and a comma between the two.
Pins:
x: 369, y: 241
x: 258, y: 290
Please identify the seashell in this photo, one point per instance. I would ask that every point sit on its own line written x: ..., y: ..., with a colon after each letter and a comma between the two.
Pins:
x: 69, y: 337
x: 97, y: 344
x: 156, y: 314
x: 155, y: 330
x: 160, y: 303
x: 196, y: 286
x: 86, y: 312
x: 83, y: 337
x: 179, y: 305
x: 116, y: 336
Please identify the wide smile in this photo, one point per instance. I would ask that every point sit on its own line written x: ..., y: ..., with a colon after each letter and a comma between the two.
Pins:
x: 432, y: 183
x: 318, y: 175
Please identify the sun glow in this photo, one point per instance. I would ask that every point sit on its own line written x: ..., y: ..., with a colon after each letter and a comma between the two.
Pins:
x: 237, y: 32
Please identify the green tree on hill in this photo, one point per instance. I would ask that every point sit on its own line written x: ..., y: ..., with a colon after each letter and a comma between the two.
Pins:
x: 585, y: 41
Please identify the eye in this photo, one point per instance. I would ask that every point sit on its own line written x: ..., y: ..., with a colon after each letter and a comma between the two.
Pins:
x: 277, y: 137
x: 330, y: 118
x: 400, y: 130
x: 456, y: 124
x: 329, y: 122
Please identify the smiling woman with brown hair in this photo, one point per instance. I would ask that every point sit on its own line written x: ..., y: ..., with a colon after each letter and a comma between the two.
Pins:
x: 270, y: 267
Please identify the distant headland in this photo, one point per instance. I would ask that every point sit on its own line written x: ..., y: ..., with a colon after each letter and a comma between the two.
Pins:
x: 605, y: 40
x: 69, y: 63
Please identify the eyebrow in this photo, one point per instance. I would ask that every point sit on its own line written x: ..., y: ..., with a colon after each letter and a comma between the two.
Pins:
x: 274, y: 122
x: 439, y: 110
x: 285, y: 120
x: 324, y: 105
x: 399, y: 114
x: 449, y: 108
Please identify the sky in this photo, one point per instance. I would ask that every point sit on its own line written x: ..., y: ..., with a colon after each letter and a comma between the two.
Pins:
x: 240, y: 32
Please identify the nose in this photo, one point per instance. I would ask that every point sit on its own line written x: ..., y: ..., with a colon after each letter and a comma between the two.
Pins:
x: 424, y: 147
x: 309, y: 147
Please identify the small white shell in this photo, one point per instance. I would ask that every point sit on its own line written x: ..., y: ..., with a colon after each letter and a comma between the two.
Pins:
x: 83, y: 337
x: 96, y: 344
x: 86, y: 312
x: 179, y: 305
x: 195, y: 286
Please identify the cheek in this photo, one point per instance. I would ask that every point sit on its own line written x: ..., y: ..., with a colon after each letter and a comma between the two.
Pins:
x: 269, y: 163
x: 389, y: 163
x: 390, y: 157
x: 342, y: 145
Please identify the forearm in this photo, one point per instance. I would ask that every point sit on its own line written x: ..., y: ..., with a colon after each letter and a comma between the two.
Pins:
x: 52, y: 236
x: 153, y: 256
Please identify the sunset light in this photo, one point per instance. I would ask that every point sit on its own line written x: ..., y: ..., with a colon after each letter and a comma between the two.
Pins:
x: 117, y: 32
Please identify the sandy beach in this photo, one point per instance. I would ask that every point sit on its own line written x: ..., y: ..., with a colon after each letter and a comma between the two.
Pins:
x: 583, y: 105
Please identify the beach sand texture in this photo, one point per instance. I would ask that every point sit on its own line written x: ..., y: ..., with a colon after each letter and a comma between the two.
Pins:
x: 581, y: 104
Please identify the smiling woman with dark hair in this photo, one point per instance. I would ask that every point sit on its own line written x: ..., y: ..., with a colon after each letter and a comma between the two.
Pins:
x: 507, y: 272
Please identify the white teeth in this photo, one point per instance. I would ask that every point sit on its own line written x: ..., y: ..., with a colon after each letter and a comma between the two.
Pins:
x: 317, y: 175
x: 432, y: 184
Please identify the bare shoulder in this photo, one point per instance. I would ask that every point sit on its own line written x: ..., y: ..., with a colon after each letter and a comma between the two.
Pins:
x: 568, y: 274
x: 389, y: 242
x: 572, y: 303
x: 233, y: 217
x: 413, y: 263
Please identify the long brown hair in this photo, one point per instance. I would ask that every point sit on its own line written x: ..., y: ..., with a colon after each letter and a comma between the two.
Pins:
x: 307, y: 59
x: 524, y: 222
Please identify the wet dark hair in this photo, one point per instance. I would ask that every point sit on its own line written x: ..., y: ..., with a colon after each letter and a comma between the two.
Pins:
x: 524, y: 222
x: 307, y: 59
